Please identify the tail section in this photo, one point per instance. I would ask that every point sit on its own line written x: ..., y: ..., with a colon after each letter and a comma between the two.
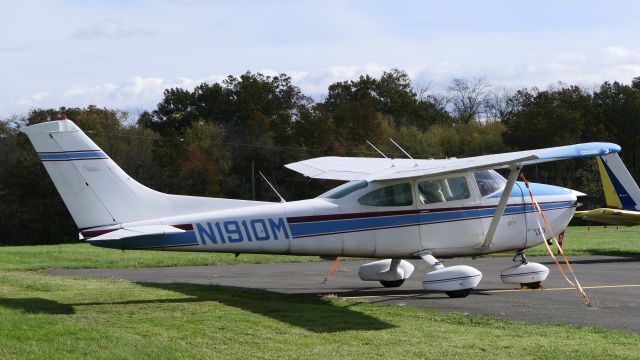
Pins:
x: 620, y: 190
x: 96, y: 190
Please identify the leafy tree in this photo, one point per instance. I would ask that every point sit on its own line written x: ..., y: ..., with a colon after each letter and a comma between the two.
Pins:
x: 205, y: 162
x: 560, y: 115
x: 555, y: 117
x: 391, y: 95
x: 617, y: 108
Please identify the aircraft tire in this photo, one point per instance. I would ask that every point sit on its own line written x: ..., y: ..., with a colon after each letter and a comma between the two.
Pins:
x: 392, y: 283
x: 458, y: 293
x: 532, y: 285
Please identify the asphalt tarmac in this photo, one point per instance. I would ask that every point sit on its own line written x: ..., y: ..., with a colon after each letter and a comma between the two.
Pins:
x: 611, y: 282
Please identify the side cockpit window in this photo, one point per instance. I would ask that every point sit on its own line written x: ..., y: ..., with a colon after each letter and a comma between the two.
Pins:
x: 489, y: 181
x: 394, y: 195
x: 443, y: 190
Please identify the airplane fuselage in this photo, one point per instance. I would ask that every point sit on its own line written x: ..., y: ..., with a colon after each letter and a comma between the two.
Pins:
x: 344, y: 227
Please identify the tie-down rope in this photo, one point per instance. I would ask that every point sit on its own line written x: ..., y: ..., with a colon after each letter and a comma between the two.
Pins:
x: 575, y: 284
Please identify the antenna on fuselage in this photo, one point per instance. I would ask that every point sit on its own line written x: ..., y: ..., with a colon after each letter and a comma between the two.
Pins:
x: 406, y: 153
x: 282, y: 200
x: 381, y: 153
x: 376, y: 149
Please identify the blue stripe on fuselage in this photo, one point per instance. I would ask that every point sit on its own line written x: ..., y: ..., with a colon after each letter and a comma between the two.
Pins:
x: 325, y: 227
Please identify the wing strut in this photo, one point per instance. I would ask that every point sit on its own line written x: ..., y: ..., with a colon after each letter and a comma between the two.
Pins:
x: 502, y: 204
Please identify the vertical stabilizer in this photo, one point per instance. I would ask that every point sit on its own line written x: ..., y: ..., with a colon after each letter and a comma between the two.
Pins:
x: 620, y: 190
x: 96, y: 190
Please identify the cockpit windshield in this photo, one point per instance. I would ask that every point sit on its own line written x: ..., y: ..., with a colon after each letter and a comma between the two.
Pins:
x: 489, y: 181
x: 344, y: 189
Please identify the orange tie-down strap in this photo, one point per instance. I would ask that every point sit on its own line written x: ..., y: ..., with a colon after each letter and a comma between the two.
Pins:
x: 332, y: 270
x: 575, y: 284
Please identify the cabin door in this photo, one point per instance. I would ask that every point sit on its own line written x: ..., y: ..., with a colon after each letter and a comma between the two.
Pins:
x: 449, y: 215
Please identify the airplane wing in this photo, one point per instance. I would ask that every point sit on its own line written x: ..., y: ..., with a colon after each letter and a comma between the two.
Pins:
x: 610, y: 216
x: 378, y: 169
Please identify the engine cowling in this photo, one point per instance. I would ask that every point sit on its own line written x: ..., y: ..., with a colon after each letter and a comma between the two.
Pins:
x: 382, y: 270
x: 524, y: 273
x: 452, y: 278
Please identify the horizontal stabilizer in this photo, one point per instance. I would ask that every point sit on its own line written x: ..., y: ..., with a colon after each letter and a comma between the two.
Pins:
x: 610, y: 216
x: 145, y: 237
x: 136, y: 231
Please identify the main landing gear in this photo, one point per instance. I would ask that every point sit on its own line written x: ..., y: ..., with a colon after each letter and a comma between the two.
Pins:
x: 389, y: 272
x: 529, y: 275
x: 456, y: 281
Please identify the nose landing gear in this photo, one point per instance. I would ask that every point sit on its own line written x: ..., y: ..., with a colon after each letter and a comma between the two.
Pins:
x: 529, y: 275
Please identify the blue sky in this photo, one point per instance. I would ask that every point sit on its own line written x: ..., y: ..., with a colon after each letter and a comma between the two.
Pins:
x: 123, y: 54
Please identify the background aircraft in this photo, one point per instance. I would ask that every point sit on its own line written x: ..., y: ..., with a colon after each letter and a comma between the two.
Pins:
x: 621, y: 193
x: 392, y: 209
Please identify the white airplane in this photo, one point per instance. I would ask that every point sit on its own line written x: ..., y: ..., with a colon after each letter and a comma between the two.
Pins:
x: 391, y: 209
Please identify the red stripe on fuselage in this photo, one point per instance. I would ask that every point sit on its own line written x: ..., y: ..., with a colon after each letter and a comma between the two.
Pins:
x: 312, y: 218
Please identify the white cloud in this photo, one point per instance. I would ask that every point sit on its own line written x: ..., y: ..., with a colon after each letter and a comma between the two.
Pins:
x: 315, y: 83
x: 614, y: 63
x: 618, y: 51
x: 110, y: 29
x: 33, y: 99
x: 139, y: 91
x: 136, y: 93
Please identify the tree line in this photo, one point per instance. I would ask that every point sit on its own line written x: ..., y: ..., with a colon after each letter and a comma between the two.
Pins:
x: 210, y: 140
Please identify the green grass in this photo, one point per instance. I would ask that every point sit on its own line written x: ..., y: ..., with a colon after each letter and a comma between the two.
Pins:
x: 79, y: 256
x: 580, y: 240
x: 48, y: 317
x: 44, y: 316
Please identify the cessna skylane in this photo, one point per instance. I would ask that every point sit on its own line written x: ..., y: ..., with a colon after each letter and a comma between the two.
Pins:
x: 389, y: 209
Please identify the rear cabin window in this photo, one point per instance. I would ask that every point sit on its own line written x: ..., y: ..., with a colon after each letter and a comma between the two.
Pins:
x: 394, y: 195
x: 344, y: 189
x: 443, y: 190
